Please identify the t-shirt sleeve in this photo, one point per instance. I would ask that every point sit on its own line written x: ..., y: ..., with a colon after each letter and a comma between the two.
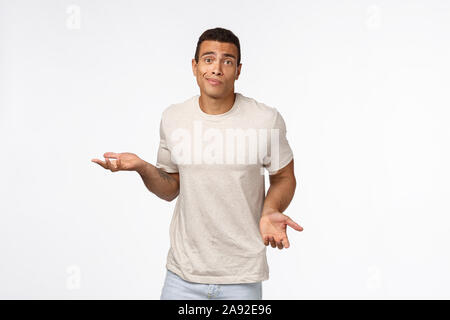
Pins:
x: 279, y: 152
x: 164, y: 160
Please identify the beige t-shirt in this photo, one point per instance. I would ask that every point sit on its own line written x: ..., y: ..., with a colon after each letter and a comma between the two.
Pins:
x: 214, y: 231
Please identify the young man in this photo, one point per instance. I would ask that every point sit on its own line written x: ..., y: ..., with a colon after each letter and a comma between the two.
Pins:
x: 223, y: 221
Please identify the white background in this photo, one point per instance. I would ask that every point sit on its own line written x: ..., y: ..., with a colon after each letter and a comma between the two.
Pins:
x: 363, y: 88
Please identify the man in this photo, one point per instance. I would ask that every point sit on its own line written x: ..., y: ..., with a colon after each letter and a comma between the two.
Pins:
x: 222, y: 221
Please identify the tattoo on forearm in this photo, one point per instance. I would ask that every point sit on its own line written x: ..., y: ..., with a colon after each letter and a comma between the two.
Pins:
x: 164, y: 175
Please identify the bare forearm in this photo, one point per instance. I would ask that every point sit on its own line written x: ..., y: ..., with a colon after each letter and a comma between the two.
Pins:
x: 159, y: 182
x: 280, y: 194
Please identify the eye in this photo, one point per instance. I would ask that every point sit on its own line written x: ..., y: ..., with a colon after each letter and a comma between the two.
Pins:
x: 207, y: 59
x: 230, y: 62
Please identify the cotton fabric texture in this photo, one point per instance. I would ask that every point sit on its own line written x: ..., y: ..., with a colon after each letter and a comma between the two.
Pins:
x: 214, y: 231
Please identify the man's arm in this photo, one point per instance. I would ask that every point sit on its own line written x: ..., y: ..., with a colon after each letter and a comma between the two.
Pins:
x: 273, y: 222
x: 163, y: 184
x: 281, y: 190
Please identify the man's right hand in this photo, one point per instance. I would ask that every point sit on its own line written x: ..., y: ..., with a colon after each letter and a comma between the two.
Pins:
x: 124, y: 161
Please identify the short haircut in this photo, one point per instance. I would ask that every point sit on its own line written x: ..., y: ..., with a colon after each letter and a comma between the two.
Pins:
x: 221, y: 35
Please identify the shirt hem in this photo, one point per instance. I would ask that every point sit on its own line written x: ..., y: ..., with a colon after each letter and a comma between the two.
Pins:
x: 217, y: 279
x: 282, y: 165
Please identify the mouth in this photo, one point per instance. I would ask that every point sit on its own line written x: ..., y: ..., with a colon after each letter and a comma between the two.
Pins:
x: 214, y: 82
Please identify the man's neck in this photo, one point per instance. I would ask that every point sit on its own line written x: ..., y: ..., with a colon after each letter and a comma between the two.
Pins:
x: 216, y: 106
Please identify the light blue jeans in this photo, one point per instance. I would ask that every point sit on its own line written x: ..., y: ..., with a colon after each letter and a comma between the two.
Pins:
x: 176, y: 288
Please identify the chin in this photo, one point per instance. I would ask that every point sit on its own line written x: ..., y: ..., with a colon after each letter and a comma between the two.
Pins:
x: 213, y: 93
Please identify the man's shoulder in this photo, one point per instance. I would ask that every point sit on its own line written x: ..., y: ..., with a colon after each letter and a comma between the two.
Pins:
x: 178, y: 108
x: 258, y: 110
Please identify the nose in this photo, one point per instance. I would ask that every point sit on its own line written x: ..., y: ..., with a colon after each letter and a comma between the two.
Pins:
x: 217, y: 68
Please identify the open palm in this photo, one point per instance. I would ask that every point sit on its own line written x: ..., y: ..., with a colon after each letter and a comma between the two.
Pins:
x: 273, y: 229
x: 123, y: 161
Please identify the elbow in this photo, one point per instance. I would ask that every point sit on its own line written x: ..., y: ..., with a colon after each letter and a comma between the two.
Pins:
x: 170, y: 198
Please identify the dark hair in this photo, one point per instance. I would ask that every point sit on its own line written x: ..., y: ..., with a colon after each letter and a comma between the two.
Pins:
x: 221, y: 35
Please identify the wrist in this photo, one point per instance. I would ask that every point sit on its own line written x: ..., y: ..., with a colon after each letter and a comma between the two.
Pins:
x: 268, y: 210
x: 142, y: 167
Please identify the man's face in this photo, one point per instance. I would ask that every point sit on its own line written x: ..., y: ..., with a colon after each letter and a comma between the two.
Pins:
x: 218, y: 61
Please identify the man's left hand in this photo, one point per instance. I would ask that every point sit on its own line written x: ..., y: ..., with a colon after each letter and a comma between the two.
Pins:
x: 273, y: 228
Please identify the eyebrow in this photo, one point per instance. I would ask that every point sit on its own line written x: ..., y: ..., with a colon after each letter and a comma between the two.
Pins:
x: 225, y: 54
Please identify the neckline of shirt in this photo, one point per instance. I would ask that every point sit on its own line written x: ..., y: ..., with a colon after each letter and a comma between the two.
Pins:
x: 220, y: 116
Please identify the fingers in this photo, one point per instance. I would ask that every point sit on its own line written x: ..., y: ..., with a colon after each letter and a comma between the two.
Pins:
x: 107, y: 164
x: 293, y: 224
x: 272, y: 242
x: 112, y: 165
x: 100, y: 162
x: 286, y: 242
x: 282, y: 243
x: 111, y: 155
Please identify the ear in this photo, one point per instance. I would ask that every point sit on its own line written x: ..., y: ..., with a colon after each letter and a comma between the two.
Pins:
x: 238, y: 71
x: 194, y: 67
